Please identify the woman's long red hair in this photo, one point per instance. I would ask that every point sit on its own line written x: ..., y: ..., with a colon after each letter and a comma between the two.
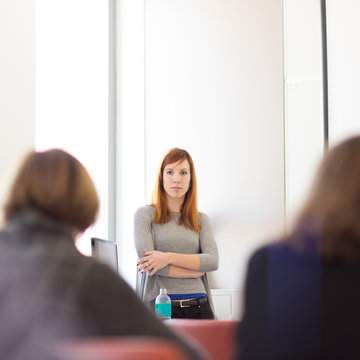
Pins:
x: 189, y: 212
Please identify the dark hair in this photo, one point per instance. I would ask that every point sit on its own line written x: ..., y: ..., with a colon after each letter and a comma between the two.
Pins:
x: 56, y: 183
x: 189, y: 212
x: 333, y: 205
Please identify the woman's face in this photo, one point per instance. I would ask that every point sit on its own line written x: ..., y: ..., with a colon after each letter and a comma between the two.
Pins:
x: 176, y: 179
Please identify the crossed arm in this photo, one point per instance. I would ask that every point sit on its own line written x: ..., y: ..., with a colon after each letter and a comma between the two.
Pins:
x: 170, y: 264
x: 182, y: 265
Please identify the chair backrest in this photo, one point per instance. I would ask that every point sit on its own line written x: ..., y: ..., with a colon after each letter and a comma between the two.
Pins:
x: 120, y: 348
x: 217, y: 337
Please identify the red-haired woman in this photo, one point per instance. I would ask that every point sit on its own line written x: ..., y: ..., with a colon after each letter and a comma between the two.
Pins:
x: 175, y: 242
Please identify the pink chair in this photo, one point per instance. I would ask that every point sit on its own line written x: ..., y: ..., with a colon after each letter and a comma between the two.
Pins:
x: 216, y: 337
x: 122, y: 348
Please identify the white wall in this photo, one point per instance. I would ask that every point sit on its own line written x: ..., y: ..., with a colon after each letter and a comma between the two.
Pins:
x: 17, y: 85
x: 213, y: 84
x: 343, y: 67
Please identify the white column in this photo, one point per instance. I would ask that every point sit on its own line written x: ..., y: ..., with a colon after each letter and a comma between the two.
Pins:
x: 130, y: 128
x: 17, y: 86
x: 304, y: 128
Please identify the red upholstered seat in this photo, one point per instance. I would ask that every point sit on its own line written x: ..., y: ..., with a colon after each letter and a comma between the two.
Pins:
x: 217, y: 337
x: 122, y: 348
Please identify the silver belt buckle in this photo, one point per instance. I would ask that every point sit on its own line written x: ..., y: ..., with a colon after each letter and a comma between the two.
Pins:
x: 184, y: 306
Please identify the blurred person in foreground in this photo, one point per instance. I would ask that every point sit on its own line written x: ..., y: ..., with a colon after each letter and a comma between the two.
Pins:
x: 302, y: 294
x: 49, y: 292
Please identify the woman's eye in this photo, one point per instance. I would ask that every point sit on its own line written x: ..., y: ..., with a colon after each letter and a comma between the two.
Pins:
x: 169, y: 172
x: 184, y: 173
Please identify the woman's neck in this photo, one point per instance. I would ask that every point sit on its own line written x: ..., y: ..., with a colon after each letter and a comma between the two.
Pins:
x: 175, y: 205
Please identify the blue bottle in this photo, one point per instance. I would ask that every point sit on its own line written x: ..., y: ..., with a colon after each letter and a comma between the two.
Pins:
x: 163, y: 305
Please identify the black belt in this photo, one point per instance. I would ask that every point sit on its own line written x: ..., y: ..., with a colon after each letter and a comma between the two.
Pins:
x: 190, y: 303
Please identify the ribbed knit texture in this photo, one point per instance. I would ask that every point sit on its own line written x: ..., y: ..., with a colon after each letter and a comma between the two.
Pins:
x: 172, y: 237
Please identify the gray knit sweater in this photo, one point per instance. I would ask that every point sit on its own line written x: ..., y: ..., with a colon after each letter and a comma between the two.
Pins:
x: 51, y: 293
x: 172, y: 237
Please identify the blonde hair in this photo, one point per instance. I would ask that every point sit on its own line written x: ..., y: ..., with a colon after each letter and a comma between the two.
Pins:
x: 56, y: 183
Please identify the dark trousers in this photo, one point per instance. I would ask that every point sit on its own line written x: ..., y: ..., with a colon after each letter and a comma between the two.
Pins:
x: 202, y: 311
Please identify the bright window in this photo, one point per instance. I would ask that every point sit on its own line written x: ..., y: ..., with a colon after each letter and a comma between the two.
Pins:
x: 72, y: 90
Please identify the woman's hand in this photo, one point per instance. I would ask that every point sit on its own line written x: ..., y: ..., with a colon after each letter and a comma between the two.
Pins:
x: 153, y: 261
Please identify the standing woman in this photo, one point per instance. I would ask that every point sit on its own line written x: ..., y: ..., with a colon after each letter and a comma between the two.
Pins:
x: 175, y: 242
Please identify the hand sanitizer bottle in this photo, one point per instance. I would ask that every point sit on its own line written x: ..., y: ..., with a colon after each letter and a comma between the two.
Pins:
x: 163, y: 305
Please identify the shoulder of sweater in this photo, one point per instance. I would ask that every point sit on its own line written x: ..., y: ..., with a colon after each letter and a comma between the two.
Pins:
x: 144, y: 212
x: 203, y: 218
x: 202, y: 215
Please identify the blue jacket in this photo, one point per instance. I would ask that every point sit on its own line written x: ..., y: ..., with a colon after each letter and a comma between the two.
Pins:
x: 298, y: 306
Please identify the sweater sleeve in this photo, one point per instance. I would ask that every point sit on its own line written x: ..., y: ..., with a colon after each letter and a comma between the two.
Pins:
x: 143, y: 235
x: 209, y: 257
